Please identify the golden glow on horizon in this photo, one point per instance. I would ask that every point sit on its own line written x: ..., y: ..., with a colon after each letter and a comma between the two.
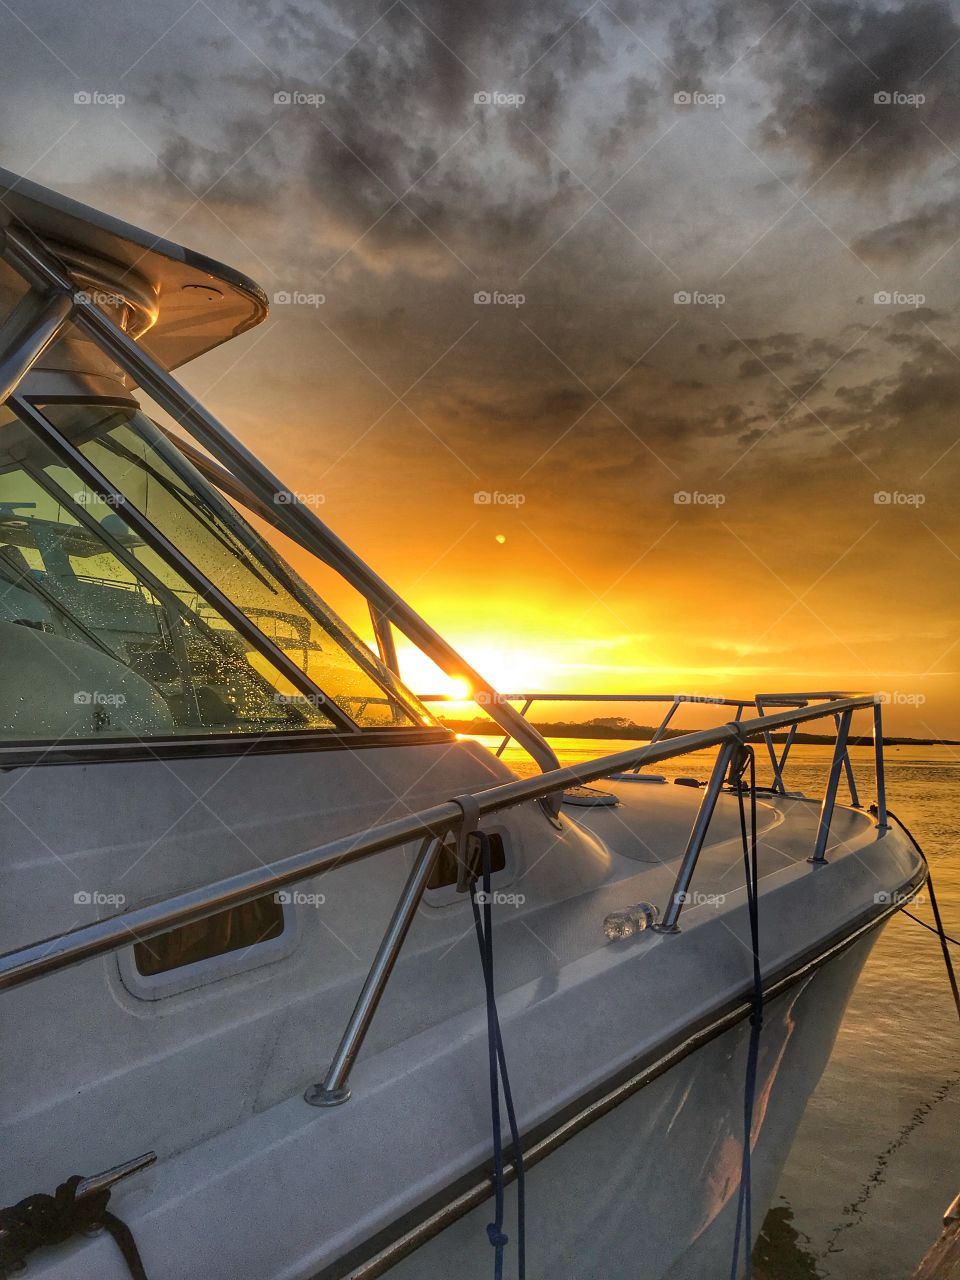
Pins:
x: 526, y: 632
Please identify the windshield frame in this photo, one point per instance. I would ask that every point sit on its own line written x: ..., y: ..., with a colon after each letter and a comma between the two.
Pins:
x: 343, y: 732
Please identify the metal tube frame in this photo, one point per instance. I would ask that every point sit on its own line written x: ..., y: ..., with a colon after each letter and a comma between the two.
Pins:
x: 383, y: 634
x: 35, y: 262
x: 688, y: 863
x: 848, y: 769
x: 333, y: 1089
x: 828, y: 804
x: 508, y: 738
x: 115, y: 932
x: 36, y: 321
x: 430, y: 826
x: 882, y: 824
x: 528, y: 699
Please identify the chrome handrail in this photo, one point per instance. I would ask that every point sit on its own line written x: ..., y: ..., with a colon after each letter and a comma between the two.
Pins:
x: 113, y: 932
x: 429, y: 826
x: 760, y: 700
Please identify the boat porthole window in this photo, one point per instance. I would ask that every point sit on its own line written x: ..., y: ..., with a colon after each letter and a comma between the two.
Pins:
x: 222, y: 945
x: 442, y: 886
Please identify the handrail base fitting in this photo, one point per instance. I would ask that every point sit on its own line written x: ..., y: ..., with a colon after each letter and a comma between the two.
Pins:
x: 318, y: 1096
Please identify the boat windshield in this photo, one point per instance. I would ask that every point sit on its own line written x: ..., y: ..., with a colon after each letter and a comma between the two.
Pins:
x: 105, y: 637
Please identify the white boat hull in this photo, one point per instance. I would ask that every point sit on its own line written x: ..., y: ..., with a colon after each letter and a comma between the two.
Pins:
x: 649, y: 1190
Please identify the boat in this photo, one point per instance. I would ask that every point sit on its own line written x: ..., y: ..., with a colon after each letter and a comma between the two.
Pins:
x: 299, y: 981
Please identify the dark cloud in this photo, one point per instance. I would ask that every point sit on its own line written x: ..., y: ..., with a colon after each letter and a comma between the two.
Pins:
x: 401, y: 196
x: 824, y: 66
x: 844, y: 55
x: 934, y: 226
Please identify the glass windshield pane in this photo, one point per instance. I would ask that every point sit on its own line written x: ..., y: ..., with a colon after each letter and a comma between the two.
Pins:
x: 100, y: 639
x: 138, y: 460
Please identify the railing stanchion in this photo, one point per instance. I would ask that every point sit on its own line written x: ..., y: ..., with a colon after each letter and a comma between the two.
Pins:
x: 780, y: 763
x: 697, y: 836
x: 882, y: 823
x: 833, y: 781
x: 113, y: 933
x: 333, y: 1089
x: 851, y: 781
x: 503, y: 745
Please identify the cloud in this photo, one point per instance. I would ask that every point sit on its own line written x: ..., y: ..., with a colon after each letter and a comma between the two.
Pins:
x: 933, y: 226
x: 823, y: 66
x: 400, y: 196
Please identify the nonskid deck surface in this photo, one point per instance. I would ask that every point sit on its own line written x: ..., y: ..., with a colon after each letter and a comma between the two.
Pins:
x: 544, y: 925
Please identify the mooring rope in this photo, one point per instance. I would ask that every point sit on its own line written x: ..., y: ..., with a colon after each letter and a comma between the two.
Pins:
x: 483, y: 921
x: 929, y: 927
x: 939, y: 930
x: 44, y: 1220
x: 743, y: 1236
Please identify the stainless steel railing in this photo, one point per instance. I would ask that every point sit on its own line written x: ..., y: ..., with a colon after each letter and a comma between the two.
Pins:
x: 761, y: 701
x: 676, y: 700
x: 430, y: 826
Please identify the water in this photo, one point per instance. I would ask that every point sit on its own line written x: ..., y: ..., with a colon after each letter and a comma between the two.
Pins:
x: 877, y: 1156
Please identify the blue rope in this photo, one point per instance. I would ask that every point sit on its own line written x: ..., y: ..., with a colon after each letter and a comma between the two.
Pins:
x: 743, y: 1236
x: 498, y: 1078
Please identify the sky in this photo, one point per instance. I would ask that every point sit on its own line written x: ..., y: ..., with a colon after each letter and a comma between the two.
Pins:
x: 621, y: 338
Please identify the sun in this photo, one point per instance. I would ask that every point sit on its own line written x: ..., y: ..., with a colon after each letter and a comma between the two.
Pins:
x: 458, y: 689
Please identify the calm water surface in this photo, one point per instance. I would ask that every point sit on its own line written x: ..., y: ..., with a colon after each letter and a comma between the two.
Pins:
x: 877, y: 1156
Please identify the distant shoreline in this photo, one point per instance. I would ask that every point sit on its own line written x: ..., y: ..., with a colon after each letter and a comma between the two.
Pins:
x: 644, y: 732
